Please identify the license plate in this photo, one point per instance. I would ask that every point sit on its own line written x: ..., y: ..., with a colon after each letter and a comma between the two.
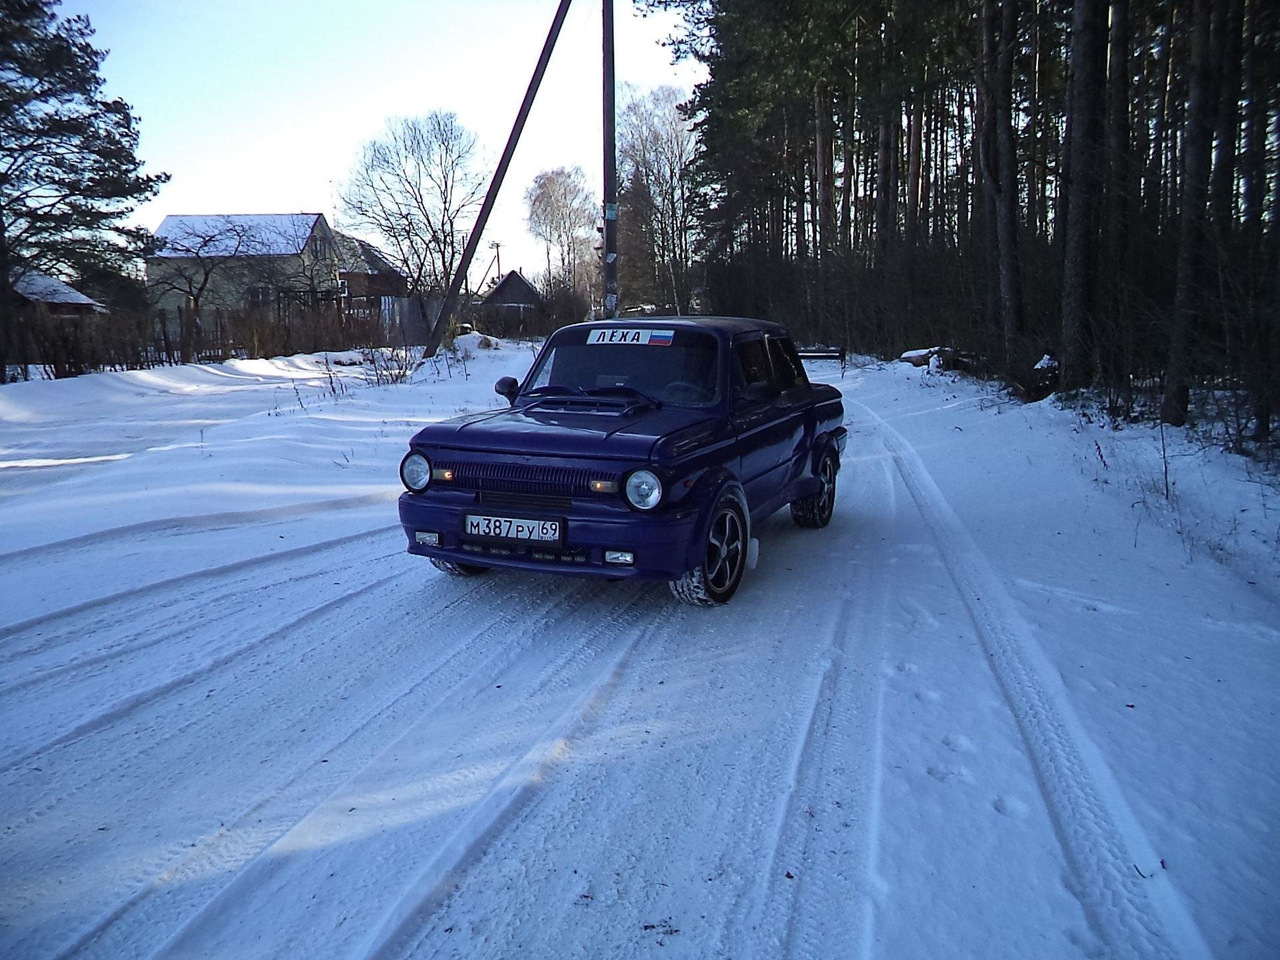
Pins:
x: 508, y: 528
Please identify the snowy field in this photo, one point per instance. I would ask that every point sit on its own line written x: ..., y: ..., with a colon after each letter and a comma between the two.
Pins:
x: 1012, y: 703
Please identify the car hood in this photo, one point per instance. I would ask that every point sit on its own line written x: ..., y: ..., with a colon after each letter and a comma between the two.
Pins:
x: 537, y: 430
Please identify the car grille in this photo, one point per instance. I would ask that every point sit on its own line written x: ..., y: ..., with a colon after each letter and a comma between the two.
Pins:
x: 521, y: 478
x: 524, y: 501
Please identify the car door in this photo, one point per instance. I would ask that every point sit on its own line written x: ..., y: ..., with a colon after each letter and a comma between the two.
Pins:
x: 795, y: 410
x: 762, y: 434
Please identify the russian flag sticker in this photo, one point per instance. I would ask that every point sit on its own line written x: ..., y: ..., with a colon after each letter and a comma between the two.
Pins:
x: 661, y: 338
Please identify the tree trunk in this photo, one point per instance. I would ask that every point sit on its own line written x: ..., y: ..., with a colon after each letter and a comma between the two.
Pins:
x: 926, y: 170
x: 8, y: 311
x: 1079, y: 262
x: 847, y: 154
x: 802, y: 243
x: 1154, y: 191
x: 1253, y: 166
x: 1006, y: 193
x: 884, y: 184
x: 1195, y: 184
x: 886, y: 189
x: 914, y: 138
x: 1222, y: 183
x: 1116, y: 211
x: 824, y: 168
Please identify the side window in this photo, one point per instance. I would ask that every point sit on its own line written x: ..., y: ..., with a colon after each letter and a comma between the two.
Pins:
x: 750, y: 365
x: 787, y: 368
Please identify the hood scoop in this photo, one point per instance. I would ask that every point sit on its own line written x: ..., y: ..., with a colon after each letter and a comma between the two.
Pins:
x: 607, y: 406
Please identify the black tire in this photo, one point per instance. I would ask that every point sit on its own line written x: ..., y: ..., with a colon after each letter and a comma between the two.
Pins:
x: 814, y: 512
x: 716, y: 579
x: 457, y: 569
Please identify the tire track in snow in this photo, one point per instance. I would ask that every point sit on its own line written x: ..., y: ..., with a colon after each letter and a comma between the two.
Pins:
x: 235, y: 844
x: 1104, y: 845
x: 294, y: 852
x: 169, y: 733
x: 208, y: 573
x: 226, y: 519
x: 546, y: 821
x: 398, y: 931
x: 134, y: 702
x: 153, y: 637
x: 815, y: 896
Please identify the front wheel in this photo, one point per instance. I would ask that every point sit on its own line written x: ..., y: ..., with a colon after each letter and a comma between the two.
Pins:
x: 716, y: 579
x: 457, y: 569
x: 815, y: 512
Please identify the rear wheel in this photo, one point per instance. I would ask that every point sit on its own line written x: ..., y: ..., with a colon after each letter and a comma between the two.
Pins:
x: 457, y: 569
x: 815, y: 512
x: 716, y: 579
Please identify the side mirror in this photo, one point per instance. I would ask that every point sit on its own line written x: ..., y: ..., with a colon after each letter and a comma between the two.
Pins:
x: 761, y: 391
x: 507, y: 387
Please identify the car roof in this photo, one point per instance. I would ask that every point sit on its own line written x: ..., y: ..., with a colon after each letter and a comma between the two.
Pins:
x: 726, y: 326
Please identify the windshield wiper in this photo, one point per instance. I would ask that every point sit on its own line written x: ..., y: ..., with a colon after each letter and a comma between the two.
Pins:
x: 626, y: 392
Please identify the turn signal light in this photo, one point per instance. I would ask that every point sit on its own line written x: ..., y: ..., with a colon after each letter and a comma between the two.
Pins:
x: 604, y: 486
x: 441, y: 473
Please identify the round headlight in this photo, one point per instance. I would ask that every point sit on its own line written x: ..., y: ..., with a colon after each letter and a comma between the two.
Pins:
x: 415, y: 472
x: 644, y: 490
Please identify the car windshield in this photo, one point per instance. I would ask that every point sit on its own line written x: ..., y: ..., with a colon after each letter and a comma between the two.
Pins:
x: 667, y: 365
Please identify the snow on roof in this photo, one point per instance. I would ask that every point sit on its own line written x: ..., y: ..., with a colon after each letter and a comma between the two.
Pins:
x: 513, y: 290
x: 232, y: 235
x: 42, y: 288
x: 360, y: 256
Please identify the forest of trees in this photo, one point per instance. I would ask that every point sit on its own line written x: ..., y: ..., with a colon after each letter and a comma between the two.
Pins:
x: 1090, y: 179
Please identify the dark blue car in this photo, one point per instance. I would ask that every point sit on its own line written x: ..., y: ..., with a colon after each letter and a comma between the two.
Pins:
x: 634, y: 448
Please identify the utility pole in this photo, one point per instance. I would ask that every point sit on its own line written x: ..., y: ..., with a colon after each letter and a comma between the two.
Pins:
x: 496, y: 247
x: 610, y: 172
x: 460, y: 275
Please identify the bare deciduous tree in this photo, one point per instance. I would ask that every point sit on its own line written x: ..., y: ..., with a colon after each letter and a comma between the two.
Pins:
x: 187, y: 268
x: 562, y: 214
x: 418, y: 186
x: 656, y: 148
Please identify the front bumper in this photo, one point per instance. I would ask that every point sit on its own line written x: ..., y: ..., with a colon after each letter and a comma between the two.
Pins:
x: 660, y: 541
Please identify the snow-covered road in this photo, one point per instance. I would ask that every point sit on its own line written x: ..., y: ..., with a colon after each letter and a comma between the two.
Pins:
x: 1003, y: 706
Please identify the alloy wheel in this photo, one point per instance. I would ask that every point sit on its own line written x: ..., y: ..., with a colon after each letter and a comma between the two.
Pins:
x: 726, y: 550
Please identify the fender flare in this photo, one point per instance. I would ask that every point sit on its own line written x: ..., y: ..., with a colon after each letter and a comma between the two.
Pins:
x: 710, y: 489
x: 831, y: 440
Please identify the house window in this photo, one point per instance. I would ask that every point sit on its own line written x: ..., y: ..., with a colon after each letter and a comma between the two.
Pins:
x: 261, y: 296
x: 319, y: 248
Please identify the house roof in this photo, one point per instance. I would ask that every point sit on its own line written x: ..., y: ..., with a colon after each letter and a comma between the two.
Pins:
x: 38, y: 287
x: 235, y: 234
x: 360, y: 256
x: 514, y: 289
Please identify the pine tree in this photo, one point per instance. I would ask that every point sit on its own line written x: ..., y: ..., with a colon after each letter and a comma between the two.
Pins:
x: 69, y: 172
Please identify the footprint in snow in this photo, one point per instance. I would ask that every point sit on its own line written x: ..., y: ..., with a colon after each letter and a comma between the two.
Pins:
x: 958, y: 743
x: 944, y: 773
x: 1010, y: 807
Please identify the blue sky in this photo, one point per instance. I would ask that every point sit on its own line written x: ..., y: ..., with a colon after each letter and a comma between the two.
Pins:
x: 261, y: 107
